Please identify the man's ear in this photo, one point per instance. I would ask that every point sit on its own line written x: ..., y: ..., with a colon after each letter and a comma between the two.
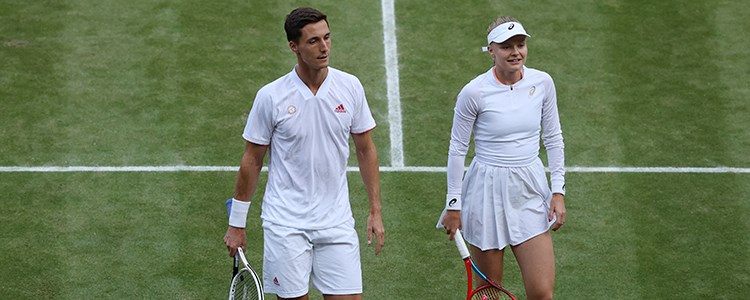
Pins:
x: 293, y: 46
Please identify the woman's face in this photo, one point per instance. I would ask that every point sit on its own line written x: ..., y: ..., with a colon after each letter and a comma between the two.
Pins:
x: 509, y: 56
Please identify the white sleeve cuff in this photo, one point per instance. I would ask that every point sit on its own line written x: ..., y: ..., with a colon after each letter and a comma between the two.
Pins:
x: 558, y: 187
x: 452, y: 202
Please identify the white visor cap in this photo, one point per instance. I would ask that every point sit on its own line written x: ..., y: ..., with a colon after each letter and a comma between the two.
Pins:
x: 503, y: 32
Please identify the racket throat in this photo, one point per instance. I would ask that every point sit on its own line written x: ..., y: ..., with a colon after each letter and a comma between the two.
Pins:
x: 470, y: 279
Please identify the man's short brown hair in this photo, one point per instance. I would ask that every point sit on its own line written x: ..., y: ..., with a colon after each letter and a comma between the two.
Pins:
x: 299, y: 18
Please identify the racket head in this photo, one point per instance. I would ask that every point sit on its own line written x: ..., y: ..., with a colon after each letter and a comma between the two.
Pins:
x: 246, y: 284
x: 490, y: 292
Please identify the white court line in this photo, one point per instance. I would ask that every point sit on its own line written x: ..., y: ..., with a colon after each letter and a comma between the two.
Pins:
x: 53, y: 169
x: 392, y: 80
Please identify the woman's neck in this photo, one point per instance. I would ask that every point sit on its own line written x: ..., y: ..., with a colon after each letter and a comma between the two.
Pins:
x: 508, y: 78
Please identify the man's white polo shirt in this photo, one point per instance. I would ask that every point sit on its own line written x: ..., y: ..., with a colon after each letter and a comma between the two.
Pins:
x: 309, y: 138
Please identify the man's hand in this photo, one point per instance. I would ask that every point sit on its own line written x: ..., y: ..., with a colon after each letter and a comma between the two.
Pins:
x: 375, y: 226
x: 234, y: 238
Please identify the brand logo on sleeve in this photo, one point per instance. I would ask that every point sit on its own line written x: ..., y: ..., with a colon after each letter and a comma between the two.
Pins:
x: 452, y: 202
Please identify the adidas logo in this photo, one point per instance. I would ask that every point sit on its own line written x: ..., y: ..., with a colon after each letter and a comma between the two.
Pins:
x: 340, y: 109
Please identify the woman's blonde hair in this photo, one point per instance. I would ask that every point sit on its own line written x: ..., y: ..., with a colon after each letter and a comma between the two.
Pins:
x: 501, y: 20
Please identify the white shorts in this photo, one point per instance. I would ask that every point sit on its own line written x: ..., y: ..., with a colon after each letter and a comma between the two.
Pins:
x: 504, y: 205
x: 292, y: 256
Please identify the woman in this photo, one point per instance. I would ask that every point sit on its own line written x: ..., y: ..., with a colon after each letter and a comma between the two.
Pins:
x: 504, y: 198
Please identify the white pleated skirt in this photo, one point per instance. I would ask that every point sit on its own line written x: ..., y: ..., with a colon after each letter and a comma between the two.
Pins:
x: 504, y: 206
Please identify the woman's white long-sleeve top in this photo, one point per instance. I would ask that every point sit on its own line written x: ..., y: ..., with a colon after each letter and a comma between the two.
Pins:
x: 507, y: 122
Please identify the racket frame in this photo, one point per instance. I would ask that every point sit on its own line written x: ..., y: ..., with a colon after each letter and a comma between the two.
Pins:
x: 470, y: 265
x: 240, y: 256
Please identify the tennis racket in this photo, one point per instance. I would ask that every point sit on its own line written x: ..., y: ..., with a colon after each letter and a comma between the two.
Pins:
x: 246, y: 283
x: 489, y: 291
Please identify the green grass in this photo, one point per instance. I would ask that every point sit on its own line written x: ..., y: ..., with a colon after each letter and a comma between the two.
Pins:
x: 100, y: 83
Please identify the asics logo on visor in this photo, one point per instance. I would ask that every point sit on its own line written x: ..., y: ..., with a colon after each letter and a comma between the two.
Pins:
x: 511, y: 26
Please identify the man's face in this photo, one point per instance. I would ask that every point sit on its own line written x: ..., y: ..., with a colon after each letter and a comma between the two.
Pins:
x: 314, y: 45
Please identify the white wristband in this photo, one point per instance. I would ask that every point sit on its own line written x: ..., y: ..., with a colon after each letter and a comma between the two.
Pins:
x: 238, y: 213
x: 453, y: 202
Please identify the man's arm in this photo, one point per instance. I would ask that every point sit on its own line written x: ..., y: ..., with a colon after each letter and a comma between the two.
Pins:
x: 247, y: 181
x: 367, y: 156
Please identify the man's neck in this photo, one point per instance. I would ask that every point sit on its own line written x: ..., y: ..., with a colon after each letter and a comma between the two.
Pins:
x: 313, y: 78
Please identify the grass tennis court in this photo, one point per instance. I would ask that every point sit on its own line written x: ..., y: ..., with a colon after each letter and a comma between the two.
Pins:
x: 169, y: 83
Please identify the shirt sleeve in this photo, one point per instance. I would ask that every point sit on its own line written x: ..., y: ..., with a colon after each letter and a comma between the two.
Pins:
x: 464, y: 116
x: 260, y: 120
x: 553, y: 140
x: 362, y: 120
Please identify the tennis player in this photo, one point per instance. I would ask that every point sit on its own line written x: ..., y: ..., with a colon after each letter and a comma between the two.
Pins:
x: 504, y: 198
x: 305, y: 118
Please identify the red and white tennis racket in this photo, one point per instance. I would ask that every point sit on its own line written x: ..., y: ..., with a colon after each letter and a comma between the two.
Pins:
x: 489, y: 291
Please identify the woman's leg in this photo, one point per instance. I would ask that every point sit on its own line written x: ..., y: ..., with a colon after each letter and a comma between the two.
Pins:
x: 490, y: 262
x: 536, y: 259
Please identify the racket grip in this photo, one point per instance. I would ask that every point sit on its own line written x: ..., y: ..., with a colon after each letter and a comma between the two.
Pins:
x: 461, y: 244
x: 235, y: 266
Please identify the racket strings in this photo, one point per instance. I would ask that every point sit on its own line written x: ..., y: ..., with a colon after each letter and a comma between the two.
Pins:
x: 244, y: 286
x: 489, y: 292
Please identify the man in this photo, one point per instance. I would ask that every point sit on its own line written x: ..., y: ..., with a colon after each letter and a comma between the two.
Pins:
x: 306, y: 117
